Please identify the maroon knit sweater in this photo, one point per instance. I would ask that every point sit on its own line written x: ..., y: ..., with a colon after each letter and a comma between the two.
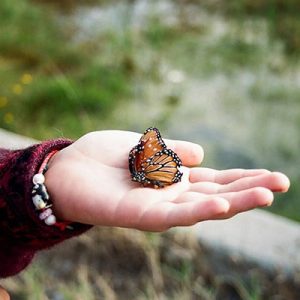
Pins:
x: 22, y: 233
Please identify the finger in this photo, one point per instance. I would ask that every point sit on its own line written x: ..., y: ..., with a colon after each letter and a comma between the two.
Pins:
x: 246, y: 200
x: 197, y: 208
x: 223, y: 177
x: 276, y: 182
x: 214, y: 207
x: 3, y: 294
x: 191, y: 154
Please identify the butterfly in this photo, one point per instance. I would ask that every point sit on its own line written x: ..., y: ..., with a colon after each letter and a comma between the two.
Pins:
x: 151, y: 163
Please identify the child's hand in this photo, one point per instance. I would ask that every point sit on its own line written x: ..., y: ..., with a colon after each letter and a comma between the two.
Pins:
x: 90, y: 182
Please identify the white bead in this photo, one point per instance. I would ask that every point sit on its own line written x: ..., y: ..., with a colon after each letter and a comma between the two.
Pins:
x: 38, y: 202
x: 51, y: 220
x: 38, y: 178
x: 45, y: 214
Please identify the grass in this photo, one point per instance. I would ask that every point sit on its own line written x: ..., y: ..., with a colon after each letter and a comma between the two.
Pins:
x: 124, y: 264
x: 74, y: 86
x: 282, y: 18
x: 65, y: 82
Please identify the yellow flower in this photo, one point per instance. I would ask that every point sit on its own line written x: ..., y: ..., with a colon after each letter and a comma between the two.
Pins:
x: 17, y: 89
x: 3, y: 101
x: 26, y: 78
x: 8, y: 118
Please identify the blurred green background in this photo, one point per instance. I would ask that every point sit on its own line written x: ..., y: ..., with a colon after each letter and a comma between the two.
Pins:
x: 224, y: 74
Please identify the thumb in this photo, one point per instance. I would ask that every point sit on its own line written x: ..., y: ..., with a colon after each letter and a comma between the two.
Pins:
x: 3, y: 294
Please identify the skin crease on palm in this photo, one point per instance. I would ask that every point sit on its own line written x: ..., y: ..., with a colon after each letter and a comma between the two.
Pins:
x: 90, y: 182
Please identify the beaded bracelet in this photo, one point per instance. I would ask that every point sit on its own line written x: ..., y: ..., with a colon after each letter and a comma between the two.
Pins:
x: 40, y: 196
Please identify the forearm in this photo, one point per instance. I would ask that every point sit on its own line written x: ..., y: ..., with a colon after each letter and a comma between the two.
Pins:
x: 22, y: 233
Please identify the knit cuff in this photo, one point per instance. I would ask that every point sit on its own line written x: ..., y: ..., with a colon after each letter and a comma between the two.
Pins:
x: 22, y: 225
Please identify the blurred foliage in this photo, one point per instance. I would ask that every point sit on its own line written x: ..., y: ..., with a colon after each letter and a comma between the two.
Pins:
x: 282, y: 15
x: 114, y: 263
x: 67, y: 81
x: 74, y: 85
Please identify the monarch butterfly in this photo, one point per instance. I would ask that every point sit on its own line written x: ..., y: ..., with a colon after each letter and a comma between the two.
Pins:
x: 151, y: 163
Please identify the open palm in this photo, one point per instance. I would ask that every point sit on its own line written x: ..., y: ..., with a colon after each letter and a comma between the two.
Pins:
x: 90, y: 183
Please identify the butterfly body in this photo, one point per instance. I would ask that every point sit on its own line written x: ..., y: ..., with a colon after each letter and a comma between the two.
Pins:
x: 151, y: 163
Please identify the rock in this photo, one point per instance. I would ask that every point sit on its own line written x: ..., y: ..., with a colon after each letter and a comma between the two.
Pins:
x: 257, y: 236
x: 14, y: 141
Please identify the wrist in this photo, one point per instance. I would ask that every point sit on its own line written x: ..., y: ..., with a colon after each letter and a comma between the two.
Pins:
x: 53, y: 180
x: 40, y: 196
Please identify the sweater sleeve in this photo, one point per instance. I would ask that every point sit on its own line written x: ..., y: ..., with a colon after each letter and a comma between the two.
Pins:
x: 22, y: 233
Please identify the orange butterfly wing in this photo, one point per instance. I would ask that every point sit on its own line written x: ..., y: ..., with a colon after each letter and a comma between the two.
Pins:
x: 149, y: 144
x: 150, y: 162
x: 152, y: 142
x: 162, y: 168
